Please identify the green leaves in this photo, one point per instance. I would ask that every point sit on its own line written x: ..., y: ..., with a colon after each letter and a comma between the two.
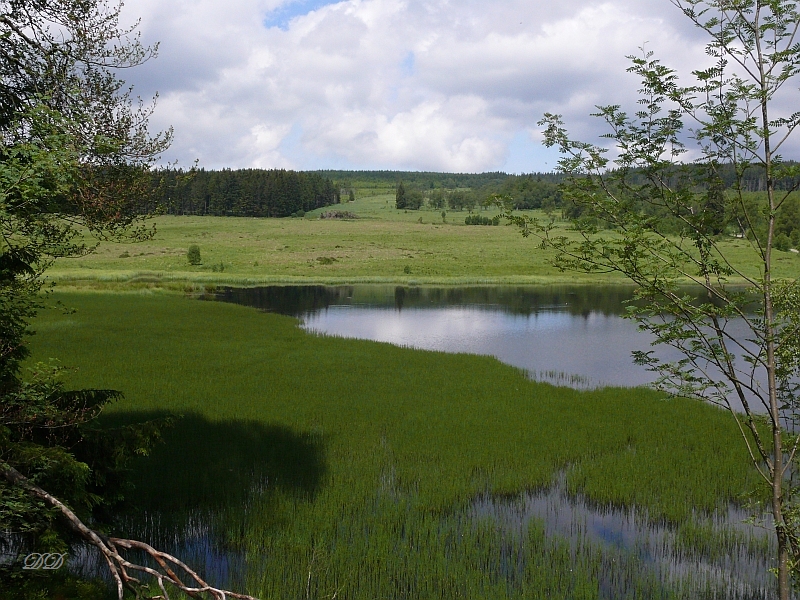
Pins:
x: 658, y: 221
x: 74, y: 158
x: 51, y: 435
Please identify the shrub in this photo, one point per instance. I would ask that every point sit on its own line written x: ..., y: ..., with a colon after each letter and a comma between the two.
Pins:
x: 193, y: 255
x: 479, y: 220
x: 782, y: 242
x: 338, y: 214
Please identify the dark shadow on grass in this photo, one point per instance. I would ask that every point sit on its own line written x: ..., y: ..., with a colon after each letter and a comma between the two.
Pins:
x: 204, y: 490
x: 202, y: 464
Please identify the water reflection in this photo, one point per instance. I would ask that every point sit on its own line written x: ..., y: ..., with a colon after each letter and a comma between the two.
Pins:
x: 734, y: 563
x: 300, y: 301
x: 546, y: 344
x: 565, y: 335
x: 737, y: 569
x: 568, y: 335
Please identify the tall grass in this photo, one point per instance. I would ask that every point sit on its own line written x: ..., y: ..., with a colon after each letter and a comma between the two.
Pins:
x: 340, y: 467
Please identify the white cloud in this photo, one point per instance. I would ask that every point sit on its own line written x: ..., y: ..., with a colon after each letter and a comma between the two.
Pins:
x: 420, y: 84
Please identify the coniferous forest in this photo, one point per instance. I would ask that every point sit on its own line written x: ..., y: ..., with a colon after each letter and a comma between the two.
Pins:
x: 242, y: 192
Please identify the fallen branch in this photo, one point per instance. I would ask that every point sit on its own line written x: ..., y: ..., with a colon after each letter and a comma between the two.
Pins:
x: 172, y: 569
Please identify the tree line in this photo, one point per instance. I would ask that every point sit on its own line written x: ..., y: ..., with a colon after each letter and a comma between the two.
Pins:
x: 748, y: 178
x: 714, y: 195
x: 536, y: 190
x: 423, y: 180
x: 283, y: 193
x: 240, y: 193
x: 730, y: 209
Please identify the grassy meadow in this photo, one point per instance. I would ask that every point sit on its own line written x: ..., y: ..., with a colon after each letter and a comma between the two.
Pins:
x: 346, y: 468
x: 383, y: 245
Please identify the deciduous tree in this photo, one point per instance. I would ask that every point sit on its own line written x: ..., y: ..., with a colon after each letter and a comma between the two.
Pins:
x: 75, y: 156
x: 663, y: 167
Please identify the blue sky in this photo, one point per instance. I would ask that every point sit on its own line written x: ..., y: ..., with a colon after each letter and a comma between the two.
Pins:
x: 436, y: 85
x: 281, y: 15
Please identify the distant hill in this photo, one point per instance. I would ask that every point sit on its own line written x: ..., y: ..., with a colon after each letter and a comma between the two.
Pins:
x: 425, y: 180
x: 282, y: 193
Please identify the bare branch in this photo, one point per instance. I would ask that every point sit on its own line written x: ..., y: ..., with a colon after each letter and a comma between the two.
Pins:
x: 117, y: 564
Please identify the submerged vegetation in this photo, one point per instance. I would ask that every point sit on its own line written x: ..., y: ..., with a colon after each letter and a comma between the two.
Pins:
x: 327, y: 466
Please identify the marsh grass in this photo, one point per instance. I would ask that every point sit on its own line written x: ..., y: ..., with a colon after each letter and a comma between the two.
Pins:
x: 340, y: 467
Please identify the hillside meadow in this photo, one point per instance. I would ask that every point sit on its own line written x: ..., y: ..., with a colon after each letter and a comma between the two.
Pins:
x: 382, y: 245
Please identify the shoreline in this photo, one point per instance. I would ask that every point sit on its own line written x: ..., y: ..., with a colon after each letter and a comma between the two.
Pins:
x: 153, y: 279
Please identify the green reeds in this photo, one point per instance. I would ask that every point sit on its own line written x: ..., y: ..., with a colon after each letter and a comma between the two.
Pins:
x: 342, y: 468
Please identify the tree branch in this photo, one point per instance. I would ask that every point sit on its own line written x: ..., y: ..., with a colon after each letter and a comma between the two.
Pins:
x: 117, y: 564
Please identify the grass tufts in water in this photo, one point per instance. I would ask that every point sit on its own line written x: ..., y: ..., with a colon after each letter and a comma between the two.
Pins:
x: 338, y: 467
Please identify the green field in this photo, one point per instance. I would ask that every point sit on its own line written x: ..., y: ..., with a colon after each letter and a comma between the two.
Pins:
x: 383, y: 245
x: 344, y: 467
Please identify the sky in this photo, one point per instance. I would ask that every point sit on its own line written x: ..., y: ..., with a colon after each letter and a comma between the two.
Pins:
x: 424, y: 85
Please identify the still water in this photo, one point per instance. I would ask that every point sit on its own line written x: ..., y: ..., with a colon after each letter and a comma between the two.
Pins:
x: 565, y: 335
x: 735, y: 568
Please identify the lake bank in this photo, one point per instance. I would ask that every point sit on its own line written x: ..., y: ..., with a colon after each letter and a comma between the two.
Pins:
x: 180, y: 281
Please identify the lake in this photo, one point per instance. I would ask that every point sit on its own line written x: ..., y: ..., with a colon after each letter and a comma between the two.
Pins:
x: 566, y: 335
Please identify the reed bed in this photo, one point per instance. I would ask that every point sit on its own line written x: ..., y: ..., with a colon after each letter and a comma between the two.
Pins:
x: 338, y: 468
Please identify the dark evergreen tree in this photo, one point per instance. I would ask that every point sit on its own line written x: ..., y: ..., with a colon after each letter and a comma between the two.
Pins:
x: 193, y: 255
x: 400, y: 196
x: 714, y: 207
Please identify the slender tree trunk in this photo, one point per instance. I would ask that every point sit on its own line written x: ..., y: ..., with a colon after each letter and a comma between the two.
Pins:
x: 769, y: 330
x: 777, y: 441
x: 777, y: 470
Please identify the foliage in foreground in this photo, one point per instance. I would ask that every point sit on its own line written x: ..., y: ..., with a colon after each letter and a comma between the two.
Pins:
x: 736, y: 120
x: 75, y: 154
x: 61, y: 164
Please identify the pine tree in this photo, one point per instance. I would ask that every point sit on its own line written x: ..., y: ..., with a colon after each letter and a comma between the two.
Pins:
x: 400, y: 196
x: 714, y: 207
